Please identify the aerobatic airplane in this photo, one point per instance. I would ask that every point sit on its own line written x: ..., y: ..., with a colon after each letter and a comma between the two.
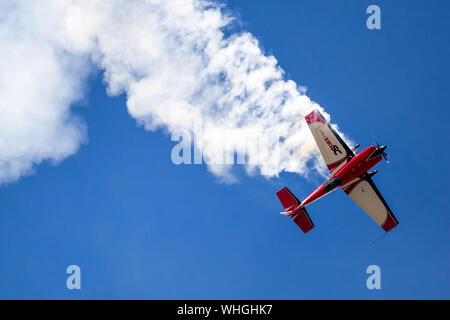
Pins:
x: 349, y: 172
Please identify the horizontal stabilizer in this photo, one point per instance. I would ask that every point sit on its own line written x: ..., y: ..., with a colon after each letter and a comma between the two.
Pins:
x: 290, y: 202
x: 303, y: 220
x: 287, y: 199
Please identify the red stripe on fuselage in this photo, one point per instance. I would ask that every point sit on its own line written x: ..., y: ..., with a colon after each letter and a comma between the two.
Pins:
x: 316, y: 195
x: 358, y: 165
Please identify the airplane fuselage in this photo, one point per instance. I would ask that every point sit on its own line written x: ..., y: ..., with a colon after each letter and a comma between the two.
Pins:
x: 348, y: 173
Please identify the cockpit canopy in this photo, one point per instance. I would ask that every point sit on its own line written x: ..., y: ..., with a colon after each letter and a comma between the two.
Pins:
x: 332, y: 183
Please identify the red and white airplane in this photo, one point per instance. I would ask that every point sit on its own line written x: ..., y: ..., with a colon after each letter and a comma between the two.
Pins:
x: 349, y: 172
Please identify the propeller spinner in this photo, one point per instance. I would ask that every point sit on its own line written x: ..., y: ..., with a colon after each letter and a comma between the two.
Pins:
x: 383, y: 153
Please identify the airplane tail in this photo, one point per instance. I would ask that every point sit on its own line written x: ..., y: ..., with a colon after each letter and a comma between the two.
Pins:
x: 300, y: 216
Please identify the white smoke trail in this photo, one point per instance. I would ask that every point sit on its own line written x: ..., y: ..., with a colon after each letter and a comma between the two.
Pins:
x: 38, y: 83
x: 171, y: 58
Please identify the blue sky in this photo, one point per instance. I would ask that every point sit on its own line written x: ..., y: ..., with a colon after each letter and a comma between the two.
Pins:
x: 141, y: 227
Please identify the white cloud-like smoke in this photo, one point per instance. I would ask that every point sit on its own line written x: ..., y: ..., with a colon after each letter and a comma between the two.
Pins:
x: 172, y: 58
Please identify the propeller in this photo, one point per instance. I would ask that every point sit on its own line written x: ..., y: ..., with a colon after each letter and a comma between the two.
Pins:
x: 384, y: 154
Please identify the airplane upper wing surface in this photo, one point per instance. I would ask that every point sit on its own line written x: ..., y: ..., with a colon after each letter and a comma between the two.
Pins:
x: 333, y: 148
x: 365, y: 193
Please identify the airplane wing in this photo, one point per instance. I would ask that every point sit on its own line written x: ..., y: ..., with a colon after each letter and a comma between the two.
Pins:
x: 366, y: 194
x: 334, y: 150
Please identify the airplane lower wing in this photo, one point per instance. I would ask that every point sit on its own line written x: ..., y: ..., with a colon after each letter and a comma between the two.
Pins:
x: 333, y: 148
x: 365, y: 193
